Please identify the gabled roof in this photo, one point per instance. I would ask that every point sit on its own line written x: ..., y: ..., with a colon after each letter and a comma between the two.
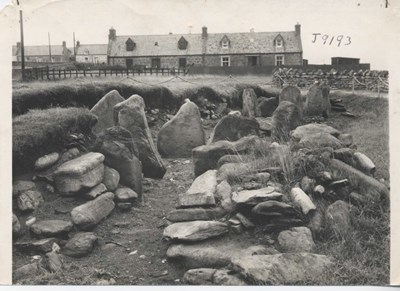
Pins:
x: 93, y: 49
x: 39, y: 50
x: 240, y: 43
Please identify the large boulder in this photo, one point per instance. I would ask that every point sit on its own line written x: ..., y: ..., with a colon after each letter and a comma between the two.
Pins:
x: 200, y: 276
x: 103, y: 110
x: 234, y: 127
x: 50, y: 228
x: 250, y: 108
x: 313, y: 128
x: 337, y: 217
x: 81, y: 244
x: 285, y: 118
x: 21, y: 186
x: 29, y: 200
x: 89, y: 214
x: 267, y: 106
x: 364, y: 164
x: 81, y: 173
x: 292, y: 94
x: 195, y: 230
x: 206, y: 157
x: 320, y: 140
x: 281, y: 269
x: 130, y: 115
x: 317, y: 101
x: 182, y: 133
x: 201, y: 192
x: 116, y: 144
x: 46, y: 161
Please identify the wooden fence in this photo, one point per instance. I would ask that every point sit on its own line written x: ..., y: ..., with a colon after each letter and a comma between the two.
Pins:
x: 46, y: 73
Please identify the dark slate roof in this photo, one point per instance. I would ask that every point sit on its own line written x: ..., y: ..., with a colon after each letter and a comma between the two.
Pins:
x: 40, y: 50
x: 92, y: 49
x: 240, y: 43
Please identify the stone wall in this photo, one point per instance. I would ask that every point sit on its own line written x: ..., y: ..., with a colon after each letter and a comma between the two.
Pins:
x: 336, y: 79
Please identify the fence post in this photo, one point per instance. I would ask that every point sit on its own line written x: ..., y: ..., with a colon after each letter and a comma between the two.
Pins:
x: 84, y: 72
x: 59, y: 74
x: 65, y: 74
x: 48, y: 73
x: 352, y: 85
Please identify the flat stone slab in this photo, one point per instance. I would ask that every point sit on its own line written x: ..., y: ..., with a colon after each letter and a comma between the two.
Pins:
x: 95, y: 191
x: 37, y: 246
x: 191, y: 214
x: 81, y: 244
x: 195, y: 230
x: 253, y: 197
x: 85, y: 171
x: 125, y: 194
x: 312, y: 128
x: 213, y: 254
x: 273, y: 208
x: 49, y: 228
x: 88, y: 215
x: 201, y: 192
x: 278, y: 269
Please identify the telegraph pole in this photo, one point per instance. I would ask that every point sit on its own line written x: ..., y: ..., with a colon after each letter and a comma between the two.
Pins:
x: 74, y: 45
x: 22, y: 46
x: 48, y: 34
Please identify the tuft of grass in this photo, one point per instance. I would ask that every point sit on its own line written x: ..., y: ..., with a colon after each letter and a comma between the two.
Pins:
x: 40, y: 132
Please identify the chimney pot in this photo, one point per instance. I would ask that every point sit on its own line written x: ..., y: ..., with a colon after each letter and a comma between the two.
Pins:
x: 297, y: 29
x: 112, y: 34
x: 204, y: 32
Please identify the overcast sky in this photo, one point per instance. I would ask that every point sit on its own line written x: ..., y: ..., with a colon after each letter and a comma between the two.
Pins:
x: 370, y: 26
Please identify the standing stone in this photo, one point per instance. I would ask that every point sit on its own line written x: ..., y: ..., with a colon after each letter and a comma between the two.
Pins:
x: 29, y: 200
x: 338, y: 217
x: 201, y: 276
x: 16, y: 226
x: 49, y: 228
x: 317, y: 101
x: 250, y: 108
x: 292, y: 94
x: 182, y: 133
x: 111, y: 178
x: 46, y: 161
x: 80, y: 173
x: 116, y: 144
x: 233, y: 128
x: 302, y: 200
x: 88, y: 215
x: 206, y: 157
x: 285, y: 118
x: 130, y: 115
x: 103, y: 110
x: 21, y: 186
x: 281, y: 269
x: 296, y: 240
x: 195, y: 230
x: 201, y: 192
x: 80, y: 244
x: 267, y: 106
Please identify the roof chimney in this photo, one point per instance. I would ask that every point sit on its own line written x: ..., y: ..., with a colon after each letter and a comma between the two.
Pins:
x: 204, y: 32
x: 64, y: 44
x: 112, y: 34
x: 78, y: 43
x: 297, y: 29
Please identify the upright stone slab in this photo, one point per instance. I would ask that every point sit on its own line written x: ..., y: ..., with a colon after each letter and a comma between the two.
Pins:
x: 233, y: 128
x: 206, y: 157
x: 201, y: 192
x: 130, y: 115
x: 285, y: 118
x: 292, y: 94
x: 182, y: 133
x: 116, y: 144
x: 250, y: 108
x: 317, y: 101
x: 88, y: 215
x: 103, y: 110
x: 267, y: 106
x: 80, y: 173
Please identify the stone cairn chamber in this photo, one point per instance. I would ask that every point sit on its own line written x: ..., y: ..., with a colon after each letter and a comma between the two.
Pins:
x: 246, y: 177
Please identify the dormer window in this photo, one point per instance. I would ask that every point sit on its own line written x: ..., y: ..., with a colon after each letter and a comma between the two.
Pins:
x: 182, y: 43
x: 130, y: 44
x: 156, y: 43
x: 225, y: 42
x: 279, y: 43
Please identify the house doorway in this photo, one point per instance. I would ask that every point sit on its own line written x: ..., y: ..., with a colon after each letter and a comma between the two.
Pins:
x: 252, y: 61
x: 129, y: 63
x: 155, y: 63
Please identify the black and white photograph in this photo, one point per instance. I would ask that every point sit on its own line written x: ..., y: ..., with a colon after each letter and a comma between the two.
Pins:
x: 207, y: 142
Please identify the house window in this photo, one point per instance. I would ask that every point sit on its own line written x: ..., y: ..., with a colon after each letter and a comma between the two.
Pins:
x: 279, y: 43
x: 86, y: 59
x: 155, y: 63
x: 130, y: 45
x: 182, y: 62
x: 225, y: 61
x: 279, y: 61
x: 225, y: 44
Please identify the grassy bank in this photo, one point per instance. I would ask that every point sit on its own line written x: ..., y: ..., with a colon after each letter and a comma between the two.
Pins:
x: 158, y: 92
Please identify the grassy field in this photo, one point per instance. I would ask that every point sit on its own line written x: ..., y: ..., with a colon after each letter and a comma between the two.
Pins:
x: 362, y: 256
